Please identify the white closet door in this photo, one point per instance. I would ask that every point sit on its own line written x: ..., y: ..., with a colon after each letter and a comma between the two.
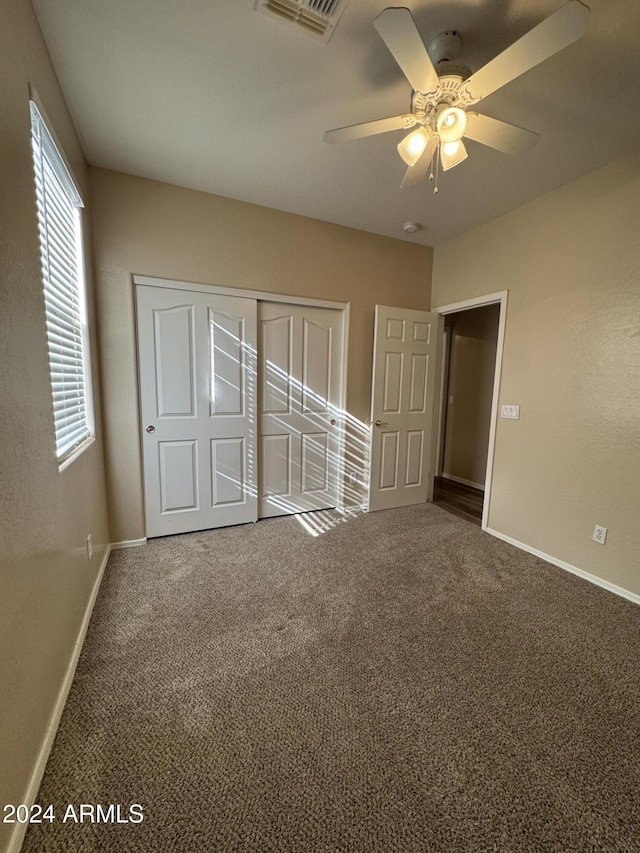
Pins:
x: 197, y: 362
x: 300, y: 375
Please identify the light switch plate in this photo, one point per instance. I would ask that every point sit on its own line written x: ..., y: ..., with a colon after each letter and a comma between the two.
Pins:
x: 511, y: 412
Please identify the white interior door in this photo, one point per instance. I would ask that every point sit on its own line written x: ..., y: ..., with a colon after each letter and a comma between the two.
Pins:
x: 300, y: 377
x: 404, y: 373
x: 197, y: 362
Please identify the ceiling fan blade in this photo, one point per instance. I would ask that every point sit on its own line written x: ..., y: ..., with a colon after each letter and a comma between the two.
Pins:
x: 369, y: 128
x: 556, y: 32
x: 398, y: 31
x: 416, y: 174
x: 507, y: 138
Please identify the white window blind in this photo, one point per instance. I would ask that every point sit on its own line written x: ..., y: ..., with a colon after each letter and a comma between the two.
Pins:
x: 60, y: 228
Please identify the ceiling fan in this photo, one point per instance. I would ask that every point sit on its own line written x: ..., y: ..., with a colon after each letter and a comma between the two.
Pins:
x: 443, y: 90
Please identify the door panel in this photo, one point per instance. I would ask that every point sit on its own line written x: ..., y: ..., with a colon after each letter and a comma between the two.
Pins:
x: 401, y: 406
x: 275, y: 363
x: 197, y: 361
x: 314, y: 464
x: 300, y: 361
x: 421, y: 332
x: 415, y: 444
x: 178, y: 475
x: 226, y: 336
x: 316, y: 367
x: 389, y: 460
x: 395, y: 329
x: 227, y: 471
x: 392, y: 382
x: 174, y: 355
x: 419, y: 371
x: 276, y: 470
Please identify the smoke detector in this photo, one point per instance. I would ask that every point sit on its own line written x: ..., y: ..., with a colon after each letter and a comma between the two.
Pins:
x: 411, y: 227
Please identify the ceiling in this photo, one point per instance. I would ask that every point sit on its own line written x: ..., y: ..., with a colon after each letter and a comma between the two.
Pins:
x: 212, y: 95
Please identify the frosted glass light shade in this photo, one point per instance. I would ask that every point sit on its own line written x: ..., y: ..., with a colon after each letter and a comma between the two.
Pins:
x: 412, y: 146
x: 451, y: 124
x: 452, y: 153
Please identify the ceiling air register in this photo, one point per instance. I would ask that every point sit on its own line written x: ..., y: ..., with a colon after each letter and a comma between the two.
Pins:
x: 315, y: 16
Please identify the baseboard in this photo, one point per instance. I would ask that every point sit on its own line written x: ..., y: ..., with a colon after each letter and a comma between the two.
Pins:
x: 594, y: 579
x: 128, y: 543
x: 463, y: 481
x: 17, y: 837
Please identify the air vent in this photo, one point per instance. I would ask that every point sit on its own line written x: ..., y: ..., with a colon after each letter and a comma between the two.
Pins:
x: 315, y: 16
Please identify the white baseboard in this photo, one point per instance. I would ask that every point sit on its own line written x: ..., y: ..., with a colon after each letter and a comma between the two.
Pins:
x: 20, y: 829
x: 594, y: 579
x: 128, y: 543
x: 464, y: 482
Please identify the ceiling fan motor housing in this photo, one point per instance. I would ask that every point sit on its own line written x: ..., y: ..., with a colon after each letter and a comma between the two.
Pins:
x: 453, y: 69
x: 426, y: 107
x: 444, y: 47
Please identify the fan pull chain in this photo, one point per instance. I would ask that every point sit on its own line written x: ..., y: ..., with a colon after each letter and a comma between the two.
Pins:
x: 431, y: 168
x: 437, y: 159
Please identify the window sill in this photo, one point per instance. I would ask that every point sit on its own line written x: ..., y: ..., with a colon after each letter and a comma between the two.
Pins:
x: 78, y: 451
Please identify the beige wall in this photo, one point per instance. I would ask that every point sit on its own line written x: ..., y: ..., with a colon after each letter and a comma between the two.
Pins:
x: 570, y: 261
x: 473, y: 338
x: 149, y: 228
x: 46, y: 515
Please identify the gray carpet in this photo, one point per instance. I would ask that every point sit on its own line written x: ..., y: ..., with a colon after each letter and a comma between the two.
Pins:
x: 401, y: 682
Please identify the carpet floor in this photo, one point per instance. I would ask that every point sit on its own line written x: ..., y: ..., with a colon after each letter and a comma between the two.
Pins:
x: 400, y: 682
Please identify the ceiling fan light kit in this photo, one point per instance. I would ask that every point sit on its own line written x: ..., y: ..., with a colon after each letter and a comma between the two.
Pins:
x: 412, y: 146
x: 451, y: 123
x: 444, y: 89
x: 452, y: 153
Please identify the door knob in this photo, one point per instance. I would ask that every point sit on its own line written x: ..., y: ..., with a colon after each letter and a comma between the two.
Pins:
x: 380, y: 423
x: 333, y: 421
x: 151, y: 429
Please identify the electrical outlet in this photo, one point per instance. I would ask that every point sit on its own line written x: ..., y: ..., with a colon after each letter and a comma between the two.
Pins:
x: 599, y: 534
x: 89, y: 547
x: 353, y: 478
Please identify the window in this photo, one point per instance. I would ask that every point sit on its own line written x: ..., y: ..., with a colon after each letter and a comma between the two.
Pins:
x: 60, y: 226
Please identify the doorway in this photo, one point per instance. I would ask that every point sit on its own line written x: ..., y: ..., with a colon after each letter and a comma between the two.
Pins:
x: 470, y: 373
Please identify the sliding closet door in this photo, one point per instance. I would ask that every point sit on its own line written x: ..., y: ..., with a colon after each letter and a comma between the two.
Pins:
x: 197, y: 362
x: 299, y: 376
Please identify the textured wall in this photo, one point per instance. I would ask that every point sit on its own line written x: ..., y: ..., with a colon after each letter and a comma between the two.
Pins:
x: 45, y: 515
x: 474, y: 335
x: 570, y: 261
x: 150, y: 228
